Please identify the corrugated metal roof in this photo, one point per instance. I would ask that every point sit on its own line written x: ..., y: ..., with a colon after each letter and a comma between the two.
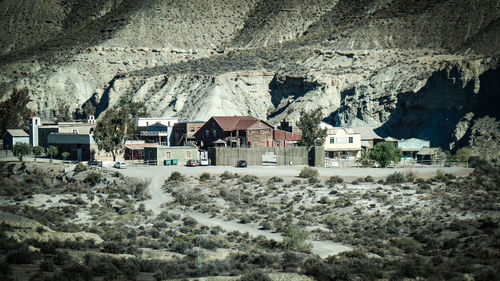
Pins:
x: 231, y: 123
x: 17, y: 133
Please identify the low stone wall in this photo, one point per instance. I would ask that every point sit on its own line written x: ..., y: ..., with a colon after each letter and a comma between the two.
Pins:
x: 228, y: 156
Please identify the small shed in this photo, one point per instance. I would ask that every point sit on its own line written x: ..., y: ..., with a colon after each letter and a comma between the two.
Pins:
x: 13, y: 136
x: 428, y: 155
x: 410, y: 147
x: 168, y: 155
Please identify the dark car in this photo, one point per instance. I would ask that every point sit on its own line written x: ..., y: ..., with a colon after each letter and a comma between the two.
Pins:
x: 94, y: 163
x: 241, y: 164
x: 192, y: 163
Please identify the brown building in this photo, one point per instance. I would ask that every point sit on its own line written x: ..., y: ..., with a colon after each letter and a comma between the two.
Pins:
x: 284, y: 138
x: 184, y: 132
x: 135, y: 151
x: 235, y: 131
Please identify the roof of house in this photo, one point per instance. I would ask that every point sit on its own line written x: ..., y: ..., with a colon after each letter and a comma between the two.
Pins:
x: 17, y: 133
x: 367, y: 133
x: 365, y: 144
x: 231, y: 123
x: 391, y: 139
x: 139, y: 146
x: 428, y: 150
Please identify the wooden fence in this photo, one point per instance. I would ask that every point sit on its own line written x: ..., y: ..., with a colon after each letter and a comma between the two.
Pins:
x: 256, y: 156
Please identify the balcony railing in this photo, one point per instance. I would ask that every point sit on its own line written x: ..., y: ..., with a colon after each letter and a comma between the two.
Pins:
x: 154, y: 133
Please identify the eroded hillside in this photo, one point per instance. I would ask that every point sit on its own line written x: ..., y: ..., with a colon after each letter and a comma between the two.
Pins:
x: 395, y: 64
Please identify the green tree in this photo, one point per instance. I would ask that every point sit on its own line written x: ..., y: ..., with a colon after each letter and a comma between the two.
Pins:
x: 385, y: 152
x: 463, y: 154
x: 37, y: 151
x: 65, y: 155
x: 14, y: 112
x: 21, y: 149
x: 52, y: 151
x: 132, y: 109
x: 309, y: 125
x: 364, y: 159
x: 115, y: 125
x: 110, y: 131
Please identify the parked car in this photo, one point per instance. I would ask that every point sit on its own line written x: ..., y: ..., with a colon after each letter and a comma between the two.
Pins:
x: 94, y: 163
x: 120, y: 165
x: 241, y: 164
x: 203, y: 162
x: 192, y: 163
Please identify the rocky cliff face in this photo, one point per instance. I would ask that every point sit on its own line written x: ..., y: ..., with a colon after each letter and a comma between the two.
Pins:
x: 413, y: 68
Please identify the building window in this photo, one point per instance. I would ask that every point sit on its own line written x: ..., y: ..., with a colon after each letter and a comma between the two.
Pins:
x: 351, y: 140
x: 277, y: 143
x: 341, y: 140
x: 188, y: 154
x: 332, y: 140
x: 192, y: 129
x: 207, y: 133
x: 168, y: 155
x: 214, y: 133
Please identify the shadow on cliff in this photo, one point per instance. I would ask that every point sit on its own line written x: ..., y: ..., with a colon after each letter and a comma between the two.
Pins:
x: 433, y: 112
x: 284, y: 90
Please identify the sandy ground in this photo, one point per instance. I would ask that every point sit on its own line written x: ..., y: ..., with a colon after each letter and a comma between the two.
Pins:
x: 321, y: 248
x: 288, y: 172
x: 158, y: 174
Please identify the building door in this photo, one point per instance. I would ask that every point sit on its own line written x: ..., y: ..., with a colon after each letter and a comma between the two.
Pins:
x: 79, y: 154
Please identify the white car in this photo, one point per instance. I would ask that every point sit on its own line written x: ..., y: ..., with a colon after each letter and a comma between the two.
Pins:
x: 120, y: 165
x: 203, y: 162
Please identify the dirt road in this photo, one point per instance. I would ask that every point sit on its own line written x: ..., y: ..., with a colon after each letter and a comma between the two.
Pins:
x: 289, y: 172
x: 158, y: 174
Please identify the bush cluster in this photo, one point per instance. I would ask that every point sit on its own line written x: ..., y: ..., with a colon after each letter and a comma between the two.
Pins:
x: 396, y: 177
x: 308, y: 172
x: 176, y: 177
x: 80, y: 167
x: 93, y: 178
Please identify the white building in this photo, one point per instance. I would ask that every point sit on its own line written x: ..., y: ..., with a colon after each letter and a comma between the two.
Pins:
x: 342, y: 143
x: 143, y: 122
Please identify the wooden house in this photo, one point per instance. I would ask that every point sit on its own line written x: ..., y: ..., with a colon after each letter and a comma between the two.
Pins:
x: 235, y: 131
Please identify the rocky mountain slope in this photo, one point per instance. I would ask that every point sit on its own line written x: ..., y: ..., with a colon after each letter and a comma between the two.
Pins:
x: 414, y: 68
